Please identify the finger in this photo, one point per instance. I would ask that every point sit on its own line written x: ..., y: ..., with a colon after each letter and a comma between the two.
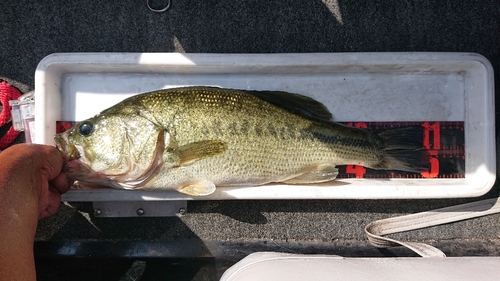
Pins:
x: 43, y: 157
x: 52, y: 204
x: 50, y: 160
x: 62, y: 183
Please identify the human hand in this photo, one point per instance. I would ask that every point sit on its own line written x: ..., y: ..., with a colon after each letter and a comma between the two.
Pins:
x: 49, y: 197
x: 31, y: 184
x: 33, y: 172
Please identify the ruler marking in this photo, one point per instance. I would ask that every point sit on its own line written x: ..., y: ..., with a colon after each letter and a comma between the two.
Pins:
x: 443, y: 140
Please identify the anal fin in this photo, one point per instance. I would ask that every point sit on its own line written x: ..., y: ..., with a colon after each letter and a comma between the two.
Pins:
x: 198, y: 188
x: 320, y: 173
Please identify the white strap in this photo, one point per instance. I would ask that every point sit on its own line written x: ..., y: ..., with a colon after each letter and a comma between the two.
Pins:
x: 376, y: 229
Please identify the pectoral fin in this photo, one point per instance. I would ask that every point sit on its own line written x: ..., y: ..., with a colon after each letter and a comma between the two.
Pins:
x: 320, y: 173
x: 187, y: 154
x: 198, y: 188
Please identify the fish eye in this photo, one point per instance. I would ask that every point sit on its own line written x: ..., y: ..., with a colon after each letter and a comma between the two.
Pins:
x: 86, y: 128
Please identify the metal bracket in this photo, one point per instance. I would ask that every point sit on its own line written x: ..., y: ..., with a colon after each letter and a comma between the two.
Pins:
x: 139, y: 208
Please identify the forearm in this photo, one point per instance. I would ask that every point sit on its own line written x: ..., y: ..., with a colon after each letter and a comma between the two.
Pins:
x: 17, y: 234
x: 18, y: 220
x: 16, y: 248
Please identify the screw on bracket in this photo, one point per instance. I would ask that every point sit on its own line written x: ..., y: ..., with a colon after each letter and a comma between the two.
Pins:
x: 140, y: 212
x: 97, y: 212
x: 182, y: 211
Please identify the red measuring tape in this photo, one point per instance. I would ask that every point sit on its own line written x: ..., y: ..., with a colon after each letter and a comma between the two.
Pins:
x: 444, y: 142
x: 7, y: 93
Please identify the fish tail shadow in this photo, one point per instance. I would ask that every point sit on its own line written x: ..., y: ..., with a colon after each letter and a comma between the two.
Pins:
x: 403, y: 150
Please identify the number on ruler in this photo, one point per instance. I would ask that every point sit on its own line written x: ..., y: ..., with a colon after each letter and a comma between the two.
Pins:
x: 361, y: 125
x: 357, y: 170
x: 435, y: 129
x: 436, y: 145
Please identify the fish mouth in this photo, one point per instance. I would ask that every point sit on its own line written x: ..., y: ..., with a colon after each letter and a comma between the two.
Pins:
x: 67, y: 149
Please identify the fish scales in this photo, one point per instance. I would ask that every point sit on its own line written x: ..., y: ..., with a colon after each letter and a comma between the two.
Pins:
x: 195, y: 138
x: 296, y: 145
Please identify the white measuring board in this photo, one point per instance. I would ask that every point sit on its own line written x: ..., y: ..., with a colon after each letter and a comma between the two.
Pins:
x: 355, y: 87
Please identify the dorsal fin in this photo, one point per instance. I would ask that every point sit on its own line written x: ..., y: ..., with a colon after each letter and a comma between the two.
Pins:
x: 295, y: 103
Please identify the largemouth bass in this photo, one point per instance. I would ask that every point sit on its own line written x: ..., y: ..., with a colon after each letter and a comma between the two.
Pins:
x: 194, y: 139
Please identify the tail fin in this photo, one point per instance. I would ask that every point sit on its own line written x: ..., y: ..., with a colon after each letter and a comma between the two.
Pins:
x: 403, y: 149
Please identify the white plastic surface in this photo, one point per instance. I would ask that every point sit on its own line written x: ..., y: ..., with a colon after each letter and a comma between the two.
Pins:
x: 354, y: 86
x: 291, y: 267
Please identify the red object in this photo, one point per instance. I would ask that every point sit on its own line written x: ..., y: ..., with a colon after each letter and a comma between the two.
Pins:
x: 7, y: 93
